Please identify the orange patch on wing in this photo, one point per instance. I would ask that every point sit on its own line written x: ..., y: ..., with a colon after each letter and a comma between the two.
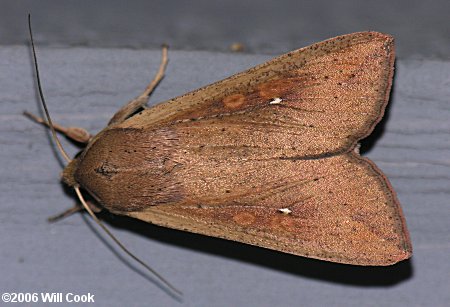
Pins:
x: 234, y: 101
x: 285, y: 223
x: 244, y: 218
x: 274, y: 88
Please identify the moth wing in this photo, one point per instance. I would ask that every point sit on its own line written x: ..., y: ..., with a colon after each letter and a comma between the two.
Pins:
x: 340, y: 209
x: 265, y: 157
x: 314, y: 101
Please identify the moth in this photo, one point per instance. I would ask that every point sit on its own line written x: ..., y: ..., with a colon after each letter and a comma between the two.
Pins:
x: 266, y: 157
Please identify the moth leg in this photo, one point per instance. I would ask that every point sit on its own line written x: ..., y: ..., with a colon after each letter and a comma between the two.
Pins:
x: 75, y: 133
x: 142, y: 100
x: 74, y: 209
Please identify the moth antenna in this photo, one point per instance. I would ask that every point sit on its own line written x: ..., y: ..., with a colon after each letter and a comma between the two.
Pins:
x: 94, y: 217
x: 41, y: 94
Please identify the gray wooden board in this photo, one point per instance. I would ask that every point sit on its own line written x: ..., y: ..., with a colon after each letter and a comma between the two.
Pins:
x: 85, y: 87
x: 264, y: 26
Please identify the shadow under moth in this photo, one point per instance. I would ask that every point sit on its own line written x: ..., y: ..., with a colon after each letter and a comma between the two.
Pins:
x: 266, y: 157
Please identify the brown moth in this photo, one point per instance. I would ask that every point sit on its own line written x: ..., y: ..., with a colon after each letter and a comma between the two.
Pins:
x: 266, y: 157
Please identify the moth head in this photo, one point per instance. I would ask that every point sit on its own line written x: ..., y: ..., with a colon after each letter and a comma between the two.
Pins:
x: 68, y: 174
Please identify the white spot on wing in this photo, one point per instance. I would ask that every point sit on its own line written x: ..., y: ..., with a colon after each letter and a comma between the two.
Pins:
x: 357, y: 148
x: 285, y: 210
x: 276, y: 101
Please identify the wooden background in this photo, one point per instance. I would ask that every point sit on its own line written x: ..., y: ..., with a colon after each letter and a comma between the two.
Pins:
x: 84, y: 87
